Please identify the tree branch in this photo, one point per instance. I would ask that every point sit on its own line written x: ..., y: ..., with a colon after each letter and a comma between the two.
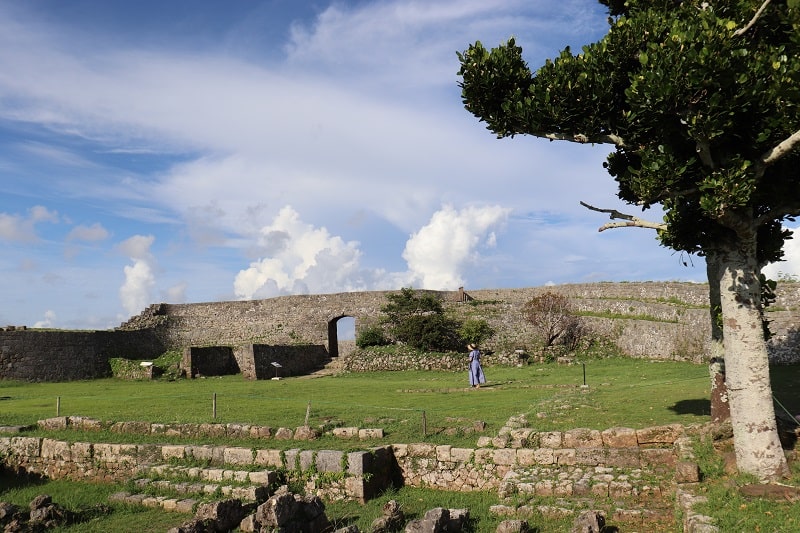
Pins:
x: 742, y: 31
x: 781, y: 149
x: 584, y: 139
x: 632, y: 221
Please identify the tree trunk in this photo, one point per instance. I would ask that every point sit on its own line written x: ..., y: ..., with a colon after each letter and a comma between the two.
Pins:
x: 755, y: 434
x: 720, y: 407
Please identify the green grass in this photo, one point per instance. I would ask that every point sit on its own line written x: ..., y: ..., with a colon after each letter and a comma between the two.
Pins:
x: 620, y: 392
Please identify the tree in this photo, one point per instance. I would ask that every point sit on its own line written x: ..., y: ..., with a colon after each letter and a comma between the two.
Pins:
x: 701, y: 103
x: 419, y: 320
x: 475, y: 331
x: 551, y: 316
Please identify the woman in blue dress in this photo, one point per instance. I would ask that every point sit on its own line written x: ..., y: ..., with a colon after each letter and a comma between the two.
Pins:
x: 476, y: 377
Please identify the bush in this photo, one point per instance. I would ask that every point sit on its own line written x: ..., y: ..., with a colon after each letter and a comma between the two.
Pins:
x: 475, y: 331
x: 371, y: 336
x: 418, y: 320
x: 552, y: 318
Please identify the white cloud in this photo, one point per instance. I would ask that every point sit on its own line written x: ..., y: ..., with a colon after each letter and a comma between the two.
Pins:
x: 136, y: 291
x: 47, y: 322
x: 299, y: 258
x: 94, y: 233
x: 437, y: 253
x: 23, y: 228
x: 790, y: 266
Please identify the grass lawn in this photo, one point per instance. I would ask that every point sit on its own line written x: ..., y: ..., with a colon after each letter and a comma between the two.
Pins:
x: 620, y: 392
x: 410, y: 406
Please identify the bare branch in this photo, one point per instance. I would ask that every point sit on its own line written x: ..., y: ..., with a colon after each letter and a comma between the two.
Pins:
x: 742, y: 31
x: 632, y: 221
x: 584, y: 139
x: 781, y: 149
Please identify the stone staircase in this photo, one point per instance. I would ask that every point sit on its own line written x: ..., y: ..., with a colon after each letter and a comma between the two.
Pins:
x: 180, y: 488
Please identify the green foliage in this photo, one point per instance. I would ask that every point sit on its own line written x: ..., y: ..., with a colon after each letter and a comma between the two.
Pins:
x: 475, y: 331
x: 418, y: 320
x: 371, y: 336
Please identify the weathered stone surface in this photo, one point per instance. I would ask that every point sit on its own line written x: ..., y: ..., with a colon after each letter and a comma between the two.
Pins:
x: 619, y: 437
x: 687, y: 472
x: 435, y: 521
x: 513, y: 526
x: 226, y: 514
x: 582, y: 438
x: 329, y: 461
x: 659, y: 434
x: 589, y: 522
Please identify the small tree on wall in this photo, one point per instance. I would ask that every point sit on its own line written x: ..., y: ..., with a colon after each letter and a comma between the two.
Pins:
x: 419, y: 320
x: 553, y: 319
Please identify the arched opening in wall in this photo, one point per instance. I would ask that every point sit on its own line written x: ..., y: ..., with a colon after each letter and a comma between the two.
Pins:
x: 341, y: 335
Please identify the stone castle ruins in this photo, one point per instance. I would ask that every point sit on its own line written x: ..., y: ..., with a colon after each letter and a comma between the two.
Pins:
x: 662, y: 320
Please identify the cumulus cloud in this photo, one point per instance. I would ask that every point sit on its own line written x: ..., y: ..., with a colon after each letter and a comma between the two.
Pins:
x: 94, y: 233
x: 299, y: 258
x: 22, y: 228
x: 136, y: 291
x: 790, y: 266
x: 47, y: 322
x: 437, y: 253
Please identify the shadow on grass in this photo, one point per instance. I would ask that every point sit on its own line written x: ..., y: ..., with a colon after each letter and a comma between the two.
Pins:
x: 17, y: 478
x: 699, y: 407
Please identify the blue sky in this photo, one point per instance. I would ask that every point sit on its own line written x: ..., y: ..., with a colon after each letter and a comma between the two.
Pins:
x: 191, y: 151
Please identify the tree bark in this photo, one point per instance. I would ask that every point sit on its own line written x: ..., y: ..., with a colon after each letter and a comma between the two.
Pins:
x: 720, y: 406
x: 755, y: 434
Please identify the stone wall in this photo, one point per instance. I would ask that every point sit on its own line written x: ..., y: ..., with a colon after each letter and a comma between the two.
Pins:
x: 647, y: 319
x: 615, y: 463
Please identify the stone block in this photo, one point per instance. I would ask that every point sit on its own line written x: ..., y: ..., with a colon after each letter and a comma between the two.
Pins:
x: 55, y: 423
x: 565, y: 456
x: 623, y: 457
x: 421, y: 450
x: 261, y: 432
x: 269, y: 458
x: 658, y: 458
x: 81, y: 451
x: 505, y: 456
x: 443, y: 453
x: 687, y: 472
x: 263, y: 477
x: 550, y: 439
x: 590, y: 456
x: 173, y: 452
x: 345, y: 433
x: 461, y: 455
x: 238, y: 456
x: 582, y: 438
x: 329, y: 461
x: 56, y: 450
x: 307, y: 460
x: 484, y: 442
x: 659, y: 434
x: 400, y: 450
x: 370, y: 433
x: 292, y: 458
x: 544, y: 456
x: 620, y: 437
x: 200, y: 453
x: 284, y: 434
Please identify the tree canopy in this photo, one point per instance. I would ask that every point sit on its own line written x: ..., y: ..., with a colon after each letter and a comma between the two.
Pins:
x: 701, y: 102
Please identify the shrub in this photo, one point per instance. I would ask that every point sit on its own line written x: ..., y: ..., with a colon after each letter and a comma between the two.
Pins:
x: 475, y: 331
x: 553, y: 319
x: 371, y: 336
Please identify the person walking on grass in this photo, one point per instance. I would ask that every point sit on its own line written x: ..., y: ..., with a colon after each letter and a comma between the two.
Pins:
x: 476, y: 377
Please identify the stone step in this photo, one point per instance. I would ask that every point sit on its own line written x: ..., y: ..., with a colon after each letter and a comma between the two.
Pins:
x: 177, y: 505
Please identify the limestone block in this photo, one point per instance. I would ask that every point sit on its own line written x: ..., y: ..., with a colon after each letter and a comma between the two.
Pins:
x: 173, y: 452
x: 505, y: 456
x: 622, y: 457
x: 544, y: 456
x: 345, y: 433
x: 306, y: 433
x: 421, y: 450
x: 484, y: 456
x: 56, y: 450
x: 306, y: 460
x: 582, y: 438
x: 370, y: 433
x: 238, y: 456
x: 158, y: 429
x: 284, y: 434
x: 329, y: 460
x: 658, y: 457
x: 292, y: 458
x: 268, y: 458
x: 169, y: 504
x: 81, y: 451
x: 200, y: 453
x: 461, y: 455
x: 211, y: 430
x: 358, y: 463
x: 84, y: 423
x: 237, y: 431
x: 213, y: 474
x: 261, y: 432
x: 659, y: 434
x: 620, y: 437
x: 400, y: 450
x: 550, y: 439
x: 263, y: 477
x: 687, y: 472
x: 590, y: 456
x: 185, y: 505
x: 565, y: 456
x: 25, y: 446
x: 443, y: 453
x: 55, y: 423
x: 620, y: 489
